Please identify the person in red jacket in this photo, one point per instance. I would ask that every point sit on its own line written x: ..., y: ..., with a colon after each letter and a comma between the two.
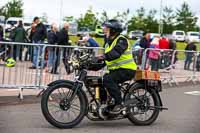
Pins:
x: 164, y: 43
x: 165, y: 59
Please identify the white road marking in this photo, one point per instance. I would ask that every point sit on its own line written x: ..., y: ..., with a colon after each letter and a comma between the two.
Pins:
x: 195, y: 93
x: 12, y: 89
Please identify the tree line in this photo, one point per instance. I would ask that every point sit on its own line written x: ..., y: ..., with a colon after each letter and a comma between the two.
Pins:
x: 171, y: 19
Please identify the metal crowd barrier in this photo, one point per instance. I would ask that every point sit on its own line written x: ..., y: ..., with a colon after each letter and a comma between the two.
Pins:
x: 62, y: 55
x: 175, y: 66
x: 22, y: 77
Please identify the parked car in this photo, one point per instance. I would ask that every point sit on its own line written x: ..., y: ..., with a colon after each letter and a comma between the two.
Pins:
x: 152, y: 35
x: 136, y: 34
x: 27, y: 24
x: 192, y: 36
x: 169, y: 36
x: 83, y: 31
x: 11, y: 21
x: 73, y: 28
x: 179, y: 35
x: 2, y: 20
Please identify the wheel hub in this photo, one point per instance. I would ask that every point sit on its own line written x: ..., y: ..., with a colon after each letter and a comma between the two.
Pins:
x: 64, y: 104
x: 144, y: 105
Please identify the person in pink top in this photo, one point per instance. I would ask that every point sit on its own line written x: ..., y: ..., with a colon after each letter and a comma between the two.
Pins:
x: 154, y: 54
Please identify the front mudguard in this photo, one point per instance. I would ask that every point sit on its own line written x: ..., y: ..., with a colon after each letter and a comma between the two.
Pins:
x: 60, y: 81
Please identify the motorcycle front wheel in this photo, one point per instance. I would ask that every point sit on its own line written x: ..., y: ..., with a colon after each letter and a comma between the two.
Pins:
x: 58, y: 110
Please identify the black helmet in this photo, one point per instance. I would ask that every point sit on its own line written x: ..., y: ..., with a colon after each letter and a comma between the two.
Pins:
x: 114, y: 25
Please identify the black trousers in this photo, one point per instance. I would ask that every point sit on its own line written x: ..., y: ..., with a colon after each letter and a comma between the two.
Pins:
x: 112, y: 79
x: 65, y: 56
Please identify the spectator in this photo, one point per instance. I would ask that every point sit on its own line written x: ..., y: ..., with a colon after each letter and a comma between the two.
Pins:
x: 1, y: 39
x: 144, y: 44
x: 63, y: 39
x: 11, y: 29
x: 198, y: 62
x: 30, y: 31
x: 165, y: 58
x: 52, y: 39
x: 137, y: 52
x: 19, y: 35
x: 172, y: 46
x: 154, y: 54
x: 38, y: 38
x: 189, y: 55
x: 89, y: 41
x: 145, y: 41
x: 164, y: 43
x: 1, y: 33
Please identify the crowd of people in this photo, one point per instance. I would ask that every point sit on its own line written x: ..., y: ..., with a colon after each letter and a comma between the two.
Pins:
x: 156, y: 58
x: 37, y: 34
x: 161, y: 57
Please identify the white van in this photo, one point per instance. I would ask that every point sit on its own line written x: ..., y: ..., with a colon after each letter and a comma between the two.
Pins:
x: 179, y: 35
x: 12, y: 21
x: 2, y: 20
x: 192, y: 36
x: 27, y: 24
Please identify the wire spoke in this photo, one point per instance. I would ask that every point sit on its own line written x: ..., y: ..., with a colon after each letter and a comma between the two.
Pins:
x: 143, y: 111
x: 73, y: 106
x: 60, y: 92
x: 59, y: 114
x: 53, y: 105
x: 56, y: 97
x: 73, y: 112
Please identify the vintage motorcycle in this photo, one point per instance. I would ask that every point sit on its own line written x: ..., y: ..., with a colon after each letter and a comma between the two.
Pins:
x: 65, y: 103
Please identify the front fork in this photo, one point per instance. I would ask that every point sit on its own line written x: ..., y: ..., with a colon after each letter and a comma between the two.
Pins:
x: 77, y: 85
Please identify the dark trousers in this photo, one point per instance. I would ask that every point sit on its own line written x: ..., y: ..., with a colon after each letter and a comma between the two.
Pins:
x: 112, y: 79
x: 64, y: 57
x: 188, y: 61
x: 154, y: 64
x: 57, y: 61
x: 17, y: 52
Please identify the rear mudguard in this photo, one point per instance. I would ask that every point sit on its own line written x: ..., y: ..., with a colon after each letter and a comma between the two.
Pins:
x: 131, y: 87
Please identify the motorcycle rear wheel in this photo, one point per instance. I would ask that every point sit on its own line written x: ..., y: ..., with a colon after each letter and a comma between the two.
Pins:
x: 143, y: 106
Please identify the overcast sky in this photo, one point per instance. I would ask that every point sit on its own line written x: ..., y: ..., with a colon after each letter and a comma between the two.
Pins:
x: 76, y: 7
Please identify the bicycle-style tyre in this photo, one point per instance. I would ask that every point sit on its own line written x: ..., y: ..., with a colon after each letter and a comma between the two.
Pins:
x: 143, y: 106
x: 55, y: 100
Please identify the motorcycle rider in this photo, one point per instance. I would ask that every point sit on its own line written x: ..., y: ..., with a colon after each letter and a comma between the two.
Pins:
x: 119, y: 62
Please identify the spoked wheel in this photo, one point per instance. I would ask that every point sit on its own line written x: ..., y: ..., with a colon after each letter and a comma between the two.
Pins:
x: 144, y: 111
x: 58, y: 110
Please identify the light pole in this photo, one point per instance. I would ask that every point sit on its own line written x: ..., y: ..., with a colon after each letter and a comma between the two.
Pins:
x: 160, y: 28
x: 61, y: 8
